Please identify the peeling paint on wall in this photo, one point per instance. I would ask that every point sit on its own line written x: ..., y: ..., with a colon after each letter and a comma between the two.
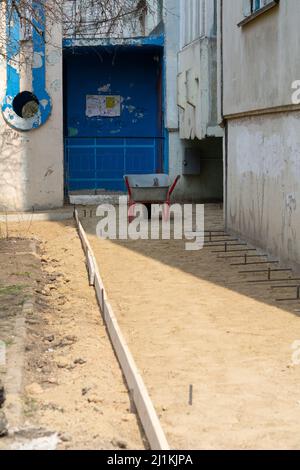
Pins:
x: 105, y: 88
x: 54, y: 57
x: 37, y: 60
x: 13, y: 88
x: 55, y: 85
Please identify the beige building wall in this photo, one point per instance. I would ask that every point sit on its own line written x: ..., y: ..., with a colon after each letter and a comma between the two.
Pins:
x: 31, y: 163
x: 262, y: 161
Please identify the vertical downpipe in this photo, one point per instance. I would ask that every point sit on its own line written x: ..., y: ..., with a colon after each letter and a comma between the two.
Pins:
x: 225, y: 144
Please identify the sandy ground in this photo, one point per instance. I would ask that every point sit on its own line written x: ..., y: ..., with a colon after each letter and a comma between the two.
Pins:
x: 73, y: 384
x: 191, y: 318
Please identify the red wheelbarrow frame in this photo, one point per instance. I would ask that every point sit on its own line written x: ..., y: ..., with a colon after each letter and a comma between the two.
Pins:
x: 167, y: 202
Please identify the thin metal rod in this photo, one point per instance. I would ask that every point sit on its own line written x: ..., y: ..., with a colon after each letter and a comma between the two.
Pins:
x: 258, y: 281
x: 285, y: 287
x: 289, y: 299
x: 234, y: 251
x: 254, y: 263
x: 191, y: 395
x: 224, y: 241
x: 228, y: 244
x: 241, y: 256
x: 266, y: 271
x: 214, y: 231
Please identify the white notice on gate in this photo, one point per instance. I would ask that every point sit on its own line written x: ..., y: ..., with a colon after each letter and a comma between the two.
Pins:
x: 92, y: 105
x: 103, y: 105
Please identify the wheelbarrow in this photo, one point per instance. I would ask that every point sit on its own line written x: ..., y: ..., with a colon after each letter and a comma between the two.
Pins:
x: 148, y: 190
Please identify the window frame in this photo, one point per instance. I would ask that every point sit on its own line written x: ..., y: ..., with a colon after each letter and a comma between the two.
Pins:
x: 256, y: 9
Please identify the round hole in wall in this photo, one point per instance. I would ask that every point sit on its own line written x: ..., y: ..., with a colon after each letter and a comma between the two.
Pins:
x: 25, y: 104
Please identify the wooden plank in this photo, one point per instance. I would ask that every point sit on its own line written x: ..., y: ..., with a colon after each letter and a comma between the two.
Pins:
x: 100, y: 290
x: 140, y: 396
x: 144, y: 406
x: 91, y: 268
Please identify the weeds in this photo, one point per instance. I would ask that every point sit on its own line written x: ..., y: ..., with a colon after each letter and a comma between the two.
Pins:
x: 11, y: 290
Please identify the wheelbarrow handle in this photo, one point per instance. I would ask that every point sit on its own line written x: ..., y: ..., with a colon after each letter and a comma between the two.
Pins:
x: 128, y: 186
x: 173, y: 187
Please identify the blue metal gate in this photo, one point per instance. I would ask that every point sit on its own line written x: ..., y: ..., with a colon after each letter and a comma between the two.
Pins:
x: 101, y: 163
x: 100, y: 150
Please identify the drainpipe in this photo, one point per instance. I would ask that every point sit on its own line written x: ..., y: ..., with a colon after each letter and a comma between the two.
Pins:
x: 224, y: 123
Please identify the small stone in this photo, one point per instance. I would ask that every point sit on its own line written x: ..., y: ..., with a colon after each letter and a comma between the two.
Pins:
x: 49, y: 338
x: 85, y: 390
x: 52, y: 381
x: 53, y: 407
x: 71, y: 338
x: 120, y: 443
x: 94, y: 399
x: 3, y: 425
x: 80, y: 361
x: 97, y: 410
x: 44, y: 260
x: 33, y: 389
x: 46, y: 293
x: 2, y: 394
x: 32, y: 321
x: 62, y: 363
x: 65, y: 437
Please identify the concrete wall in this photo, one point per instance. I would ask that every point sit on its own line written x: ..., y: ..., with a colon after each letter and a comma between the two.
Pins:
x: 196, y: 98
x: 197, y: 70
x: 260, y: 62
x: 197, y: 90
x: 31, y: 163
x: 264, y: 182
x: 260, y: 58
x: 206, y: 187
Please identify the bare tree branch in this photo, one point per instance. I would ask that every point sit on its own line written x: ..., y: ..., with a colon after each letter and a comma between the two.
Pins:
x: 79, y: 18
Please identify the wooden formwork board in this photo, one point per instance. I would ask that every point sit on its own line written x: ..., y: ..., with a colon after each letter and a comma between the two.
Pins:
x: 139, y: 394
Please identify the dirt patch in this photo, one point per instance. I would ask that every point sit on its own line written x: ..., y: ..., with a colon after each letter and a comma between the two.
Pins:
x: 191, y: 318
x: 19, y: 270
x: 74, y: 393
x: 18, y: 273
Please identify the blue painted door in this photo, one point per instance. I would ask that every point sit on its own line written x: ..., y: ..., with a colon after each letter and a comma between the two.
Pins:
x: 100, y: 150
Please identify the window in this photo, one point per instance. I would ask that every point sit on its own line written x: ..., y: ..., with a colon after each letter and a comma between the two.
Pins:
x: 256, y: 5
x: 254, y: 8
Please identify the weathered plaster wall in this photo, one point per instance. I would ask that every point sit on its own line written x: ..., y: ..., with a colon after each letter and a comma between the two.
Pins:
x: 197, y: 70
x: 263, y: 143
x: 31, y: 163
x: 264, y: 182
x: 197, y: 90
x: 259, y: 59
x: 208, y: 185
